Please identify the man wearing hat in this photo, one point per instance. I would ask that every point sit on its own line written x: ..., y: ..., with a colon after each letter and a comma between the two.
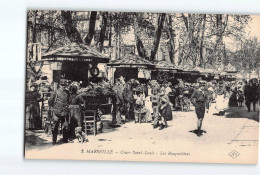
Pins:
x: 200, y: 101
x: 128, y: 97
x: 118, y: 88
x: 59, y: 102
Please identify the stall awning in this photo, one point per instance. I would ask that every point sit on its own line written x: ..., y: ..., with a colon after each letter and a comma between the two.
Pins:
x: 131, y: 60
x: 229, y: 68
x: 76, y: 52
x: 165, y: 66
x: 187, y: 69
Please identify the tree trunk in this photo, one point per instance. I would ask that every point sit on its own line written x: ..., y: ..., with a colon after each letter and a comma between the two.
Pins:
x: 110, y: 30
x: 219, y: 37
x: 103, y: 31
x: 202, y: 40
x: 158, y: 33
x: 71, y: 30
x: 91, y: 31
x: 171, y: 45
x: 139, y: 43
x: 34, y: 28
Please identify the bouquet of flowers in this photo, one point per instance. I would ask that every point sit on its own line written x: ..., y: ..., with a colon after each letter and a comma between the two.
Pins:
x: 102, y: 89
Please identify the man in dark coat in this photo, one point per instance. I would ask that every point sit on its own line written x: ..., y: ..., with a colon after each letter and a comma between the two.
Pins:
x: 129, y: 102
x: 200, y: 101
x: 258, y: 92
x: 118, y: 88
x: 59, y: 102
x: 251, y: 95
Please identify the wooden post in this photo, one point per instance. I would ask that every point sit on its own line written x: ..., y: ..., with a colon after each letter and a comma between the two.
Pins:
x: 56, y: 79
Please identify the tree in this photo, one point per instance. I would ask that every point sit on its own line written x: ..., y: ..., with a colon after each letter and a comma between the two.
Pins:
x: 202, y: 40
x: 171, y: 37
x: 103, y: 30
x: 71, y: 30
x: 32, y: 20
x: 158, y: 32
x: 138, y: 41
x: 91, y: 30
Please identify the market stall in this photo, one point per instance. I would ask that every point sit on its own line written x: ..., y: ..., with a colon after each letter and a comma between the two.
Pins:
x: 164, y: 71
x: 78, y: 62
x: 74, y: 62
x: 231, y: 72
x: 188, y: 74
x: 131, y: 66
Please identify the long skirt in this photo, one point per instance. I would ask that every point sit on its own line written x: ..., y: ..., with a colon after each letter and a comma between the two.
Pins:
x: 233, y: 100
x: 76, y: 118
x: 33, y: 118
x: 166, y: 113
x: 200, y: 110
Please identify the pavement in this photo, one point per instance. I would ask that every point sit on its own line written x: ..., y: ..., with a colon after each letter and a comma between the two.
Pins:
x: 232, y: 138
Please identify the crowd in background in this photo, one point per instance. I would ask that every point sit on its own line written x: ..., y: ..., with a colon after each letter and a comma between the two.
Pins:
x: 153, y: 101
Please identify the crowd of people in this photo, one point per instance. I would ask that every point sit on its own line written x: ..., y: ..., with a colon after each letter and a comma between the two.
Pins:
x: 151, y: 102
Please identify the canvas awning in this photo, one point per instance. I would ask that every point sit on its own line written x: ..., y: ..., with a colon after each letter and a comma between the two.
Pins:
x: 131, y: 60
x: 187, y: 69
x: 230, y: 68
x: 75, y: 52
x: 165, y: 66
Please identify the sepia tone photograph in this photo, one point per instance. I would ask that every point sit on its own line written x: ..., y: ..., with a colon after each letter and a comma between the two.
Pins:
x: 142, y: 86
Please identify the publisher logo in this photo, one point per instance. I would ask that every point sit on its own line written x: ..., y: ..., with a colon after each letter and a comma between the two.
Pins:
x: 234, y: 154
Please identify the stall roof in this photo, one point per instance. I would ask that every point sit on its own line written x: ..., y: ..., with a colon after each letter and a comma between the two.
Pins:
x: 230, y: 68
x: 131, y: 60
x: 76, y: 52
x: 164, y: 65
x: 189, y: 69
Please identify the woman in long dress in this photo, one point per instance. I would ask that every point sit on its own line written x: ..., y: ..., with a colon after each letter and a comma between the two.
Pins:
x: 165, y: 109
x: 33, y: 117
x: 233, y: 98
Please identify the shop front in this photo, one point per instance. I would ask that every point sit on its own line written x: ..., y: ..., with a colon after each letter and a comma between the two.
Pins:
x: 131, y: 67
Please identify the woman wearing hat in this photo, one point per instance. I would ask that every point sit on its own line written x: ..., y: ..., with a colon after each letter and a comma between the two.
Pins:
x: 165, y: 108
x: 233, y: 98
x: 33, y: 117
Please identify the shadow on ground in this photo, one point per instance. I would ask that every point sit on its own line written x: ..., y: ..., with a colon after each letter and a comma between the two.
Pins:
x: 34, y: 140
x: 240, y: 112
